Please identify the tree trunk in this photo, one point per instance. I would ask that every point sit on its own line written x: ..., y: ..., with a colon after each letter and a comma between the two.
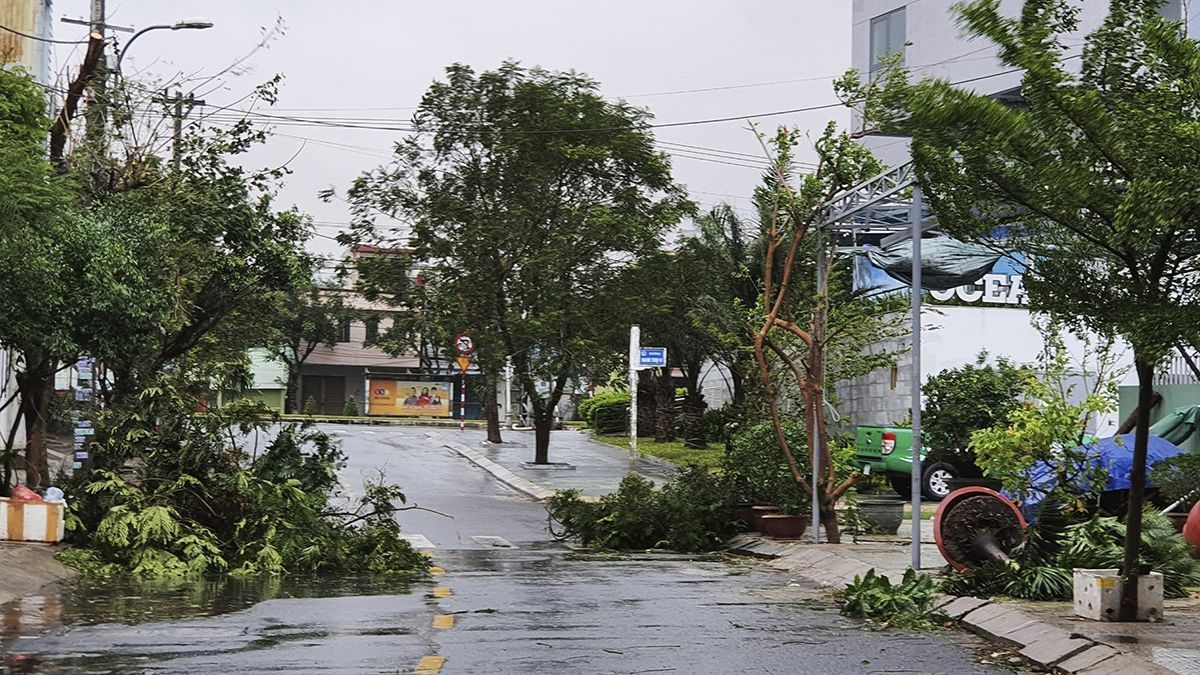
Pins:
x: 543, y: 422
x: 37, y: 387
x: 664, y: 407
x: 1137, y: 489
x: 739, y: 384
x: 291, y: 401
x: 491, y: 410
x: 693, y: 421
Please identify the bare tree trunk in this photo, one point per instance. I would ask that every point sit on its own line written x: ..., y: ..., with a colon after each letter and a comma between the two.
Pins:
x: 646, y: 403
x: 37, y: 387
x: 291, y: 400
x: 693, y: 421
x: 1137, y: 489
x: 543, y: 422
x: 491, y: 409
x: 664, y: 407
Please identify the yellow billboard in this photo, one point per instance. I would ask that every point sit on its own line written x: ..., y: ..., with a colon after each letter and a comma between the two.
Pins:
x: 400, y: 398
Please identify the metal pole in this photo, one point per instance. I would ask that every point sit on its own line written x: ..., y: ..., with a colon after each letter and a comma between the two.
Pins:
x: 508, y: 373
x: 914, y: 217
x: 815, y: 435
x: 635, y: 340
x: 462, y: 402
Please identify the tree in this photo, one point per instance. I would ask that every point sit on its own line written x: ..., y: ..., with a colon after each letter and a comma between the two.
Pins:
x: 959, y: 401
x: 802, y: 324
x: 308, y: 319
x: 1093, y: 176
x: 530, y: 197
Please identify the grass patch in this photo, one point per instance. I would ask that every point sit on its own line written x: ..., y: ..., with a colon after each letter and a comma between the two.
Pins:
x: 673, y: 451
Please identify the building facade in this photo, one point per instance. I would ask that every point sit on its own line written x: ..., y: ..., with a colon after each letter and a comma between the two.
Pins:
x: 988, y: 316
x: 31, y: 17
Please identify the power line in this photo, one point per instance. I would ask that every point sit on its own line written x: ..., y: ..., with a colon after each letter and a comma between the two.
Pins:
x: 42, y: 39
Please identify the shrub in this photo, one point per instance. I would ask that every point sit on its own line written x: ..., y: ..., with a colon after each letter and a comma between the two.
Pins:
x: 606, y: 413
x: 310, y: 406
x: 1178, y: 478
x: 959, y: 401
x: 351, y: 407
x: 756, y: 471
x: 904, y: 605
x: 690, y: 513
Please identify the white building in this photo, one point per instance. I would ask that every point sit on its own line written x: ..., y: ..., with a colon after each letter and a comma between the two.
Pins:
x: 989, y: 316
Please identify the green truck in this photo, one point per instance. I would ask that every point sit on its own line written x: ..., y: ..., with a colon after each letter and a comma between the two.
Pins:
x: 887, y: 451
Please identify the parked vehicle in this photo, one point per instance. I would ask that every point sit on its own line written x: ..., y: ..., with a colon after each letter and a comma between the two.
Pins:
x: 888, y: 451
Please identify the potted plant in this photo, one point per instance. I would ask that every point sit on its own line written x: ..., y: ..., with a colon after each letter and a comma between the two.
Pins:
x: 1178, y: 483
x: 784, y: 525
x: 874, y: 509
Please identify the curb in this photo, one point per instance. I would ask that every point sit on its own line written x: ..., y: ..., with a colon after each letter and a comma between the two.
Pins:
x: 385, y: 422
x: 1045, y: 644
x: 501, y: 474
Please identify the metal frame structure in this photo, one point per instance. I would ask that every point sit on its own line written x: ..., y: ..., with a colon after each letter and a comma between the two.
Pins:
x: 880, y: 206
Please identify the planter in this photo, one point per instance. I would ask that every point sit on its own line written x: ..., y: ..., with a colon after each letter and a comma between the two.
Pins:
x: 744, y: 513
x: 759, y: 512
x: 1097, y: 595
x: 784, y: 526
x: 31, y: 521
x: 1191, y: 530
x: 881, y: 515
x: 978, y: 481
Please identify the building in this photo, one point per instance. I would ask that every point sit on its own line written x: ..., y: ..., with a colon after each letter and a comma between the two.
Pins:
x: 379, y: 384
x: 33, y: 18
x: 990, y: 314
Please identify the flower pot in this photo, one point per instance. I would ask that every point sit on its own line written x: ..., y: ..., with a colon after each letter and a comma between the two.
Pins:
x: 881, y: 515
x: 744, y: 513
x: 784, y: 526
x: 760, y: 511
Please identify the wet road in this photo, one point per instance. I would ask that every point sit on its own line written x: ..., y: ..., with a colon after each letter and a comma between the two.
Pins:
x: 505, y: 600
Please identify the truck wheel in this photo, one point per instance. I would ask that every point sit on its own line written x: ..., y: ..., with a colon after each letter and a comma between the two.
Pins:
x: 902, y: 485
x: 935, y: 480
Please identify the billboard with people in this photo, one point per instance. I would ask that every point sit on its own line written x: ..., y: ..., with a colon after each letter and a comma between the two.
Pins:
x: 401, y: 398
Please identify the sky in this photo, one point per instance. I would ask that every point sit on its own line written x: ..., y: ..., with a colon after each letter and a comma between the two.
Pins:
x: 684, y: 60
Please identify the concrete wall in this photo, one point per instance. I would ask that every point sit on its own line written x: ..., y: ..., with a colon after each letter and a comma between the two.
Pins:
x: 952, y: 337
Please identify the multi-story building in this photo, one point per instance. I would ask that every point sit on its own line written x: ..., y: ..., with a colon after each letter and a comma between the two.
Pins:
x: 989, y: 315
x: 30, y: 18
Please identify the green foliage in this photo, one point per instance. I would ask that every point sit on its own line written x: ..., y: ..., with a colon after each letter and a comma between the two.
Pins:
x: 1042, y: 568
x: 526, y: 233
x: 310, y: 406
x: 606, y: 413
x: 351, y: 407
x: 1049, y: 427
x: 903, y: 605
x: 959, y: 401
x: 690, y: 513
x: 1178, y: 478
x: 201, y: 502
x: 757, y: 472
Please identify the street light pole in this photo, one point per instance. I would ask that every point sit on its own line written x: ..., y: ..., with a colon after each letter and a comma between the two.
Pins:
x: 186, y: 24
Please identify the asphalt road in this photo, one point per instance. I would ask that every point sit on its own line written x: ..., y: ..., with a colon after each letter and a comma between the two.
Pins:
x: 505, y: 599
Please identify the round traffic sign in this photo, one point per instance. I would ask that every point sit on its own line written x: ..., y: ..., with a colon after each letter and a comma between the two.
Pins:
x: 464, y: 344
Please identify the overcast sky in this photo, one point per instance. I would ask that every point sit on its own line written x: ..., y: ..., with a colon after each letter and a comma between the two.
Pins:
x: 375, y: 58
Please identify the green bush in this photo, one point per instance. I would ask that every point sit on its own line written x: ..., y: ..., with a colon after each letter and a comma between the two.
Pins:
x: 903, y: 605
x: 606, y: 413
x: 1178, y: 478
x: 351, y: 407
x: 959, y: 401
x: 310, y: 406
x: 690, y: 513
x: 756, y: 471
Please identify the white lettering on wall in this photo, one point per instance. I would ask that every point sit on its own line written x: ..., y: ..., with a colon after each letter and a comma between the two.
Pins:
x: 996, y: 289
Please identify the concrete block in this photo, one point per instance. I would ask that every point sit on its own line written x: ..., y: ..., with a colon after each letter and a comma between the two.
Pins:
x: 1001, y: 626
x: 984, y: 613
x: 1086, y: 659
x: 1036, y: 632
x: 961, y: 606
x: 1052, y: 650
x: 1126, y: 664
x: 941, y: 600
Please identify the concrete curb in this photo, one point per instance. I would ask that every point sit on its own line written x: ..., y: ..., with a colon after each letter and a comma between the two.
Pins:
x: 384, y: 422
x: 501, y: 474
x: 1045, y: 644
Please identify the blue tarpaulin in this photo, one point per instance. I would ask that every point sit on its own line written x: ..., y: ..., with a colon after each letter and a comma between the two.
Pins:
x: 1115, y: 454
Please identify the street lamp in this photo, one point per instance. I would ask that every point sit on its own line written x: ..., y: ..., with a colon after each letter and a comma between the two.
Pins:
x: 186, y: 24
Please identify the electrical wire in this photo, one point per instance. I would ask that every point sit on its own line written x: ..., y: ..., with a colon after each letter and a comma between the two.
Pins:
x: 42, y: 39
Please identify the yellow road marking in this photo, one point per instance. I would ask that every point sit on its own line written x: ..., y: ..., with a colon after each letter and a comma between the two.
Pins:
x: 443, y: 621
x: 435, y: 570
x: 442, y: 592
x: 430, y: 664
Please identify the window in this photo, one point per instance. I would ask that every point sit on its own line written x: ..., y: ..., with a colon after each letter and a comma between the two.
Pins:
x: 344, y: 331
x: 372, y: 328
x: 887, y: 38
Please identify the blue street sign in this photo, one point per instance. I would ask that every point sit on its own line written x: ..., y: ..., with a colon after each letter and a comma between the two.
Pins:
x: 652, y: 357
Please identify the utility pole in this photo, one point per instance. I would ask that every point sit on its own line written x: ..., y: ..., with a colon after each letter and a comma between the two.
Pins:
x: 178, y: 113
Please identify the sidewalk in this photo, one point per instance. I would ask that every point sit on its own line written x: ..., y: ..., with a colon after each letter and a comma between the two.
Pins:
x: 1047, y: 633
x: 593, y: 468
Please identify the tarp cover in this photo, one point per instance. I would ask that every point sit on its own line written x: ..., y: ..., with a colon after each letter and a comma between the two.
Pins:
x: 946, y: 263
x: 1178, y: 425
x: 1114, y: 455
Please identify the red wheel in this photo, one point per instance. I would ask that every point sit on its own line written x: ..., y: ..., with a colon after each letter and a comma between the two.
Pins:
x: 974, y: 524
